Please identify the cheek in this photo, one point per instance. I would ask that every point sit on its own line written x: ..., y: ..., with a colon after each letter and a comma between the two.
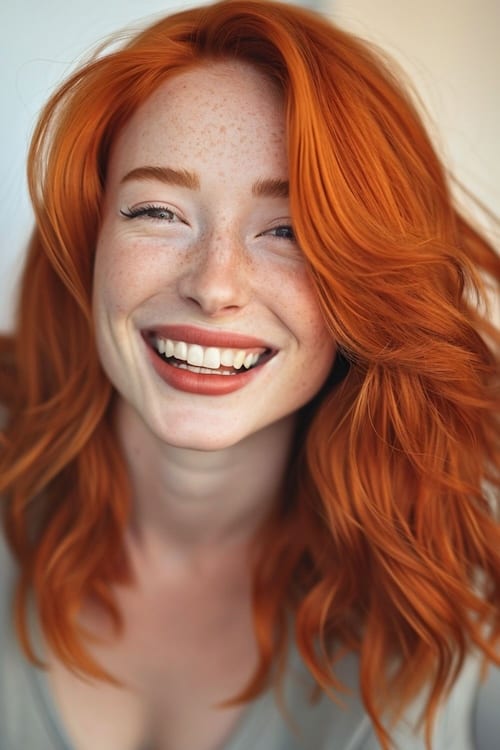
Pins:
x: 111, y: 298
x: 120, y: 278
x: 310, y: 321
x: 316, y: 339
x: 299, y: 309
x: 106, y: 264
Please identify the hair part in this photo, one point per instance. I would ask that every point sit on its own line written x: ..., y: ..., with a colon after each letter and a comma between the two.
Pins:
x: 387, y: 499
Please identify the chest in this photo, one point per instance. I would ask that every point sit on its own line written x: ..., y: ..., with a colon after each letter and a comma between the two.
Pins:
x: 180, y: 655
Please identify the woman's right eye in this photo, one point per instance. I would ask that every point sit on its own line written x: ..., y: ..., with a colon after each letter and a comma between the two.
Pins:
x: 159, y: 213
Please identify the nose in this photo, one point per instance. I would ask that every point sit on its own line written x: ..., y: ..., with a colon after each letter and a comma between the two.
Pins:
x: 217, y: 279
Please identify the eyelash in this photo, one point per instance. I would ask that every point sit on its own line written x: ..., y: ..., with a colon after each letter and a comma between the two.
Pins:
x: 152, y: 211
x: 287, y: 227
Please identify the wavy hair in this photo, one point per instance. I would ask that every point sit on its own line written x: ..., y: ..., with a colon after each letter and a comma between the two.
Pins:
x: 391, y: 501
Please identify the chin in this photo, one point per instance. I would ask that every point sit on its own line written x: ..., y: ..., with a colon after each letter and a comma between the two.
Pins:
x: 207, y: 438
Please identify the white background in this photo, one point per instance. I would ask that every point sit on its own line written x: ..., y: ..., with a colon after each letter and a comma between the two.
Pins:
x: 450, y: 48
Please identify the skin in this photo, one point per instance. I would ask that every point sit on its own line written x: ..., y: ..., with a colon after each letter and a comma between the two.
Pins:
x: 206, y: 464
x: 204, y: 469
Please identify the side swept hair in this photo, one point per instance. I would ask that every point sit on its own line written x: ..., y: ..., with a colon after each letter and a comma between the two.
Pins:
x: 390, y: 501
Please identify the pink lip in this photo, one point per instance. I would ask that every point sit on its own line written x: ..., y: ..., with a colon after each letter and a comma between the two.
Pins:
x: 204, y: 337
x: 198, y: 383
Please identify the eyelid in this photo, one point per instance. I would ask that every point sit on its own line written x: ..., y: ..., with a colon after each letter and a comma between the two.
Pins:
x: 141, y: 210
x: 282, y: 224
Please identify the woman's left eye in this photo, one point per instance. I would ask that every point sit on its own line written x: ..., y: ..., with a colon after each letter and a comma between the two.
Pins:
x: 161, y: 213
x: 284, y: 231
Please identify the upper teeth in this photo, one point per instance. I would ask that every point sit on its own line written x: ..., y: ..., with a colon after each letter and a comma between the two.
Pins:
x: 207, y: 356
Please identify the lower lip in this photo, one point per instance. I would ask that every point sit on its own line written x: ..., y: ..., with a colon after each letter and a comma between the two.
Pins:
x: 199, y: 383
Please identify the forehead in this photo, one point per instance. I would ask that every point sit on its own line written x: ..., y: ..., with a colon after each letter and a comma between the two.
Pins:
x: 216, y: 111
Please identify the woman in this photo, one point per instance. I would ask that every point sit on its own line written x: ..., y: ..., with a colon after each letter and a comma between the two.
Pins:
x: 252, y: 407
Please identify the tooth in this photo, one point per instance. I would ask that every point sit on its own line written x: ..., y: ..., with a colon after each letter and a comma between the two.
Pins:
x: 160, y: 345
x: 255, y: 358
x: 227, y: 357
x: 248, y: 361
x: 195, y: 355
x: 169, y: 348
x: 180, y: 350
x: 211, y: 358
x: 238, y: 359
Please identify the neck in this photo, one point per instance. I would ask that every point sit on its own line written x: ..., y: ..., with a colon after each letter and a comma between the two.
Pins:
x: 187, y: 503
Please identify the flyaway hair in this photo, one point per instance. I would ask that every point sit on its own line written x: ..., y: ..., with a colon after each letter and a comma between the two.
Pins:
x: 387, y: 539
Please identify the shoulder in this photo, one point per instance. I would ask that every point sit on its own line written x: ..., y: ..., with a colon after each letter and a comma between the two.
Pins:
x: 10, y: 674
x: 24, y: 720
x: 7, y: 575
x: 487, y: 711
x: 469, y: 718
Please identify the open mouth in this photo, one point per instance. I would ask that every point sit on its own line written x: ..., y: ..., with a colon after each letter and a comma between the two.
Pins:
x: 208, y: 360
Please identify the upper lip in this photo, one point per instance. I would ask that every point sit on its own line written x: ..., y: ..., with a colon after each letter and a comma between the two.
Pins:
x: 206, y: 337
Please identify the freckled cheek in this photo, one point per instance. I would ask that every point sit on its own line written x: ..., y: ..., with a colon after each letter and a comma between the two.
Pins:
x: 303, y: 304
x: 123, y: 276
x: 313, y: 333
x: 110, y: 284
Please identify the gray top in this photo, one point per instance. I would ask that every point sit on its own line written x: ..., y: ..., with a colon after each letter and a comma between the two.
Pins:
x: 469, y: 720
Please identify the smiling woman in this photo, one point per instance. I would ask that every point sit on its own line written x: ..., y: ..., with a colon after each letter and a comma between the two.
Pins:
x: 252, y: 439
x: 196, y: 249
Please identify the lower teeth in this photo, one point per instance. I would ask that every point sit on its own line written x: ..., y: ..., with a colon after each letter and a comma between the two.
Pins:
x: 199, y: 370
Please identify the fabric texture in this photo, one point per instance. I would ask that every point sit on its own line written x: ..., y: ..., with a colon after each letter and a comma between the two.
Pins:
x: 29, y: 718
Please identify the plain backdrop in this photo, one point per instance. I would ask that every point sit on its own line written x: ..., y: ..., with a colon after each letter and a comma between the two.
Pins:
x: 449, y: 48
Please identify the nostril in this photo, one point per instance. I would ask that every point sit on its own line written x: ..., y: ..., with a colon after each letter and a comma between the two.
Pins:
x: 214, y: 285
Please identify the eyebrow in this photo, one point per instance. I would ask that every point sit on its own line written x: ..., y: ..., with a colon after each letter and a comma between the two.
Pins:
x: 180, y: 177
x: 270, y: 188
x: 264, y: 188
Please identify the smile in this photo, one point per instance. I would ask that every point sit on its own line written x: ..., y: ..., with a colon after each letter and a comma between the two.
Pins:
x: 206, y: 363
x: 208, y: 360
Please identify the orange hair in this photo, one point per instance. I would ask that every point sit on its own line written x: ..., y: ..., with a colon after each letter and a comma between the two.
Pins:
x: 390, y: 501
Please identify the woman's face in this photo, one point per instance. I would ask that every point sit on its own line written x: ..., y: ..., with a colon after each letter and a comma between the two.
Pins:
x: 207, y: 322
